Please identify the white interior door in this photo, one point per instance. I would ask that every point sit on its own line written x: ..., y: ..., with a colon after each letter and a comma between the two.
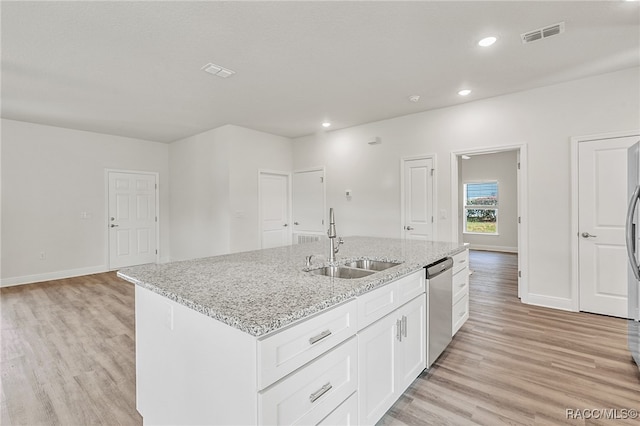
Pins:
x: 308, y: 201
x: 418, y: 199
x: 602, y: 198
x: 132, y: 219
x: 274, y: 209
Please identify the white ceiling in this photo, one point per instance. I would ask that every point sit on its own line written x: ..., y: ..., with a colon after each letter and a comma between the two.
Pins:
x: 134, y: 68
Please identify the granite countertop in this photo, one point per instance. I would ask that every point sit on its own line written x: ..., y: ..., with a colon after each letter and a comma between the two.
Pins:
x: 263, y: 290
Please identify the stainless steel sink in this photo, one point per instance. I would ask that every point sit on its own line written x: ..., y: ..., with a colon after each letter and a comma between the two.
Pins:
x: 372, y: 265
x: 341, y: 272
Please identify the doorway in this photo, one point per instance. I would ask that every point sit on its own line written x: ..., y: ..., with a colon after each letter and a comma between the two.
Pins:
x: 461, y: 208
x: 274, y: 200
x: 599, y: 206
x: 132, y: 218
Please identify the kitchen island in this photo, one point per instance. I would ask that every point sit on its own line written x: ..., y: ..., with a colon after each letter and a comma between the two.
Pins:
x: 223, y: 340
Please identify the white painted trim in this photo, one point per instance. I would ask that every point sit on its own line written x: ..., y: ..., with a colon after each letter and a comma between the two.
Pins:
x: 563, y: 303
x: 106, y: 216
x: 289, y: 201
x: 575, y: 206
x: 436, y: 216
x: 523, y: 209
x: 49, y: 276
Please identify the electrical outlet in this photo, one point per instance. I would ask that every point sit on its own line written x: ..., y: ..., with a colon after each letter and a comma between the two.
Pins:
x: 43, y: 255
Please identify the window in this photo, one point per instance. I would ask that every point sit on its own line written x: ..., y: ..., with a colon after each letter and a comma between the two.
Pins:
x: 481, y: 208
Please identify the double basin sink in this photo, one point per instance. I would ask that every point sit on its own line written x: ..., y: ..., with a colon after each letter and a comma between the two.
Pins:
x: 357, y: 269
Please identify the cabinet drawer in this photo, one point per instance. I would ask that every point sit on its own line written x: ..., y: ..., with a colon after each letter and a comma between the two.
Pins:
x: 281, y: 353
x: 460, y: 261
x: 345, y: 415
x: 377, y: 303
x: 411, y: 286
x: 460, y: 314
x: 313, y: 392
x: 460, y: 285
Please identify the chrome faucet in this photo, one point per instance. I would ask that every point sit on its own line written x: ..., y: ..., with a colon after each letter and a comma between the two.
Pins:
x: 331, y: 233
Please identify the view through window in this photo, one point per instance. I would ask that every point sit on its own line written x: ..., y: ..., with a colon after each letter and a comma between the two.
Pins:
x: 481, y: 208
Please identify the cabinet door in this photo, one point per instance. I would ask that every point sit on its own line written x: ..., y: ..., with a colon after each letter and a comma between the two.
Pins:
x: 377, y: 364
x: 413, y: 346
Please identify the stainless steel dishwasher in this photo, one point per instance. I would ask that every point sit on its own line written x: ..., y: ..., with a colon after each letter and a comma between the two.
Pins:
x: 439, y: 276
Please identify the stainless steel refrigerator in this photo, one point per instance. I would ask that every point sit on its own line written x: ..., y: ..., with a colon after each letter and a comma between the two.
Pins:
x: 633, y: 250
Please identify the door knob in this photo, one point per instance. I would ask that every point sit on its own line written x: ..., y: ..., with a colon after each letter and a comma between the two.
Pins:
x: 296, y: 223
x: 285, y: 225
x: 112, y: 219
x: 588, y: 235
x: 409, y: 228
x: 113, y: 225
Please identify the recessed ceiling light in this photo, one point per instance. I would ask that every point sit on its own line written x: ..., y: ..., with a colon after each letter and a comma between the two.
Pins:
x: 487, y: 41
x: 326, y: 124
x: 464, y: 92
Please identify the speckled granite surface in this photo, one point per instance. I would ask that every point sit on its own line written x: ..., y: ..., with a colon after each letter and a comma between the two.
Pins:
x: 261, y: 291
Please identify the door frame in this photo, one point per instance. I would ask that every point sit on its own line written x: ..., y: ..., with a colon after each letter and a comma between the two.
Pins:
x: 289, y: 203
x: 106, y: 210
x: 523, y: 210
x: 434, y: 183
x: 575, y: 251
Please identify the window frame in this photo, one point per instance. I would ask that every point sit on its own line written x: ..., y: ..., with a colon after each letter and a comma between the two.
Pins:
x: 466, y: 207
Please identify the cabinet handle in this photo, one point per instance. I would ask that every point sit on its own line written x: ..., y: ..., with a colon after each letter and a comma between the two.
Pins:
x: 399, y: 330
x: 319, y: 337
x: 404, y: 325
x: 317, y: 394
x: 461, y: 314
x: 462, y: 285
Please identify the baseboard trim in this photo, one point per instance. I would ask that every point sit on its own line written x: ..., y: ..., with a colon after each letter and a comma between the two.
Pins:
x: 504, y: 249
x: 553, y: 302
x: 57, y: 275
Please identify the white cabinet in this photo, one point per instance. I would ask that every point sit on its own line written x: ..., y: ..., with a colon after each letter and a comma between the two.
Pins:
x: 392, y: 349
x: 314, y: 391
x: 460, y: 291
x: 284, y: 351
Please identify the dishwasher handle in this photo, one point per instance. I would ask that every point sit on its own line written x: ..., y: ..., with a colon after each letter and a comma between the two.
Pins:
x: 439, y: 267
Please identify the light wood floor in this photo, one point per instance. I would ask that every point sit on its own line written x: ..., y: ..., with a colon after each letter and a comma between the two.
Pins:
x: 521, y: 364
x: 68, y: 358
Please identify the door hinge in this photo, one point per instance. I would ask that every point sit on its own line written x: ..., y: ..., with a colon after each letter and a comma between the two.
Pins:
x: 323, y: 221
x: 156, y: 186
x: 156, y: 218
x: 519, y: 274
x: 519, y: 219
x: 431, y: 219
x: 156, y: 251
x: 432, y: 170
x: 321, y: 179
x: 518, y: 165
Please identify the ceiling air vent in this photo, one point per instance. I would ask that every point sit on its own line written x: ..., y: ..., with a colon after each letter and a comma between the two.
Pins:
x: 541, y: 33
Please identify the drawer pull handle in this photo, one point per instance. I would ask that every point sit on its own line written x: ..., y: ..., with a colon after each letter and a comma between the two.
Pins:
x: 319, y: 337
x: 462, y: 285
x: 462, y: 261
x: 399, y: 330
x: 404, y: 325
x: 461, y: 314
x: 317, y: 394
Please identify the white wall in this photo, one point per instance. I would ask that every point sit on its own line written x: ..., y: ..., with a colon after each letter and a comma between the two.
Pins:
x: 500, y: 167
x: 49, y: 176
x: 214, y: 187
x: 545, y: 119
x: 199, y: 185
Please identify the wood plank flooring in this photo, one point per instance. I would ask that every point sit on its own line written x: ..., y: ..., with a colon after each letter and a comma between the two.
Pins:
x: 520, y: 364
x: 68, y: 358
